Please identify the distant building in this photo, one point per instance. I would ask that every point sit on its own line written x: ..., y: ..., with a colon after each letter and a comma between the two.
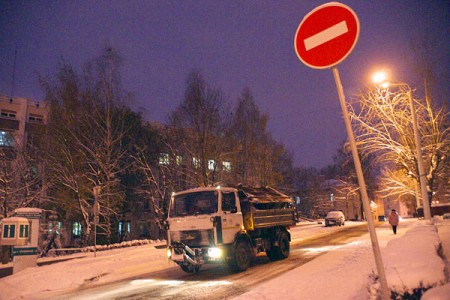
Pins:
x: 392, y: 202
x: 20, y: 118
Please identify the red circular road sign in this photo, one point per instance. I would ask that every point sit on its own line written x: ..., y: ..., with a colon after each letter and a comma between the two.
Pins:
x: 326, y: 35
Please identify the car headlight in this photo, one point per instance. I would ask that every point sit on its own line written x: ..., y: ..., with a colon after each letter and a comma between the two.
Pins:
x: 214, y: 252
x: 169, y: 252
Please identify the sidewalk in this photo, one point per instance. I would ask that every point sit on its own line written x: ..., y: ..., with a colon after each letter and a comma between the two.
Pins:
x: 347, y: 271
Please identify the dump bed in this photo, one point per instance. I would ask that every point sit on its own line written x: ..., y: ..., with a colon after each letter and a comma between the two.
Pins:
x: 264, y: 207
x: 272, y: 217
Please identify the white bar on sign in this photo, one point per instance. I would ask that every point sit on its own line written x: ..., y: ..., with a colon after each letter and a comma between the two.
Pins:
x: 326, y: 35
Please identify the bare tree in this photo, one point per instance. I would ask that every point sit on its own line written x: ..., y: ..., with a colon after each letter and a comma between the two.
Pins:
x: 382, y: 120
x: 87, y: 128
x: 199, y: 126
x: 22, y: 178
x: 395, y: 183
x: 257, y: 157
x: 157, y: 172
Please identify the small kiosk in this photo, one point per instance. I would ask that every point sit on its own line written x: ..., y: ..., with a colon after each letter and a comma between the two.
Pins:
x: 15, y: 231
x: 22, y: 231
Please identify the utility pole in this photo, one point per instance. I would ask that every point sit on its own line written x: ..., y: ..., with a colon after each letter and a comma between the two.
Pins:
x: 422, y: 175
x: 96, y: 210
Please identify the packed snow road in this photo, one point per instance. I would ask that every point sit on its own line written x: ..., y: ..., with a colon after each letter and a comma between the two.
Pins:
x: 216, y: 281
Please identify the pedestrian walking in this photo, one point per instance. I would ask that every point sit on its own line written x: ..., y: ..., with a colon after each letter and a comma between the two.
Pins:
x: 393, y: 220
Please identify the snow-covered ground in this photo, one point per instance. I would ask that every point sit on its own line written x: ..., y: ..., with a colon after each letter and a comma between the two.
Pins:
x: 345, y: 272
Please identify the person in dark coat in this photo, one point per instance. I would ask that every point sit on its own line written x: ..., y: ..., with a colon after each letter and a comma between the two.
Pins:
x: 393, y: 220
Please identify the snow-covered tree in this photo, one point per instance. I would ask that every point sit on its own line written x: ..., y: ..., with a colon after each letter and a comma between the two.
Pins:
x: 88, y: 127
x: 383, y: 126
x: 23, y: 181
x: 199, y: 127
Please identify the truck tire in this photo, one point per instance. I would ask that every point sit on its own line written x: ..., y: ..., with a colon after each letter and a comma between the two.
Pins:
x: 272, y: 253
x: 282, y: 250
x: 241, y: 257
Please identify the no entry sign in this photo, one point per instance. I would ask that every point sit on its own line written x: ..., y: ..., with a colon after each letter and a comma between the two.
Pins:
x: 326, y: 35
x: 324, y: 38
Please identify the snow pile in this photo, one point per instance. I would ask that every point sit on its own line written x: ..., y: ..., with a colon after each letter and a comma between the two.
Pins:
x: 412, y: 262
x: 119, y: 245
x: 108, y: 266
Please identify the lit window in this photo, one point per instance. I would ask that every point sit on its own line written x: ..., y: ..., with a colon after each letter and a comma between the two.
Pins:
x: 35, y: 118
x: 164, y: 159
x: 124, y: 227
x: 331, y: 197
x: 6, y: 139
x: 23, y: 231
x: 179, y: 160
x: 196, y: 162
x: 54, y: 226
x: 9, y: 231
x: 8, y: 114
x: 226, y: 166
x: 76, y: 228
x: 211, y: 165
x: 297, y: 199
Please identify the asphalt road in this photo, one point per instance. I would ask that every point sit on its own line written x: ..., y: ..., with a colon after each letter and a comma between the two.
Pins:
x: 215, y: 281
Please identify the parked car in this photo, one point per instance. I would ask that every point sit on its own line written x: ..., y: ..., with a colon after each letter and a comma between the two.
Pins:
x: 335, y: 218
x: 446, y: 216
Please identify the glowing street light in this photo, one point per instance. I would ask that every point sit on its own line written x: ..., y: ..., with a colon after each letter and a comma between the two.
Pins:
x: 380, y: 78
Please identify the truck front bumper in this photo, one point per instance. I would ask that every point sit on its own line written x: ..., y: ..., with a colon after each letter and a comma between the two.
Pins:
x: 181, y: 253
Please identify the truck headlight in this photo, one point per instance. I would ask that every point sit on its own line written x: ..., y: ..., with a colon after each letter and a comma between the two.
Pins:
x: 169, y: 252
x: 214, y: 252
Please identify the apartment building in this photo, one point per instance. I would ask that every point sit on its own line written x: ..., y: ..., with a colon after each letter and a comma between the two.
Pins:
x: 20, y: 118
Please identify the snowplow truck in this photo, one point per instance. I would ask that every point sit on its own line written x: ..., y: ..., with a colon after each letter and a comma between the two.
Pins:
x: 228, y: 225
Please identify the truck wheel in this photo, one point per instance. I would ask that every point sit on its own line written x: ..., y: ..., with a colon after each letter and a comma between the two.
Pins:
x: 272, y: 253
x: 242, y: 257
x: 285, y: 247
x: 282, y: 250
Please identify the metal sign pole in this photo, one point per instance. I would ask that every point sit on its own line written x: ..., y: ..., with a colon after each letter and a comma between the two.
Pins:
x: 362, y: 185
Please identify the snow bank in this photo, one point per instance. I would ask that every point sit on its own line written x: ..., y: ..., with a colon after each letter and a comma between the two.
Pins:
x: 344, y: 272
x: 412, y: 262
x: 120, y: 245
x: 437, y: 293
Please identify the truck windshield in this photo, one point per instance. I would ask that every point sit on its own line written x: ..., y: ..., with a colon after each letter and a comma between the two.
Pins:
x: 194, y: 204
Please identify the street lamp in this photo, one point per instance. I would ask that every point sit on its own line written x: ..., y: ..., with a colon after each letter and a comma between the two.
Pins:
x: 380, y: 78
x: 96, y: 210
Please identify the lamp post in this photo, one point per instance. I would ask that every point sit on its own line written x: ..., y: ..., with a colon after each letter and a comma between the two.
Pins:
x: 96, y: 209
x: 416, y: 190
x: 380, y: 77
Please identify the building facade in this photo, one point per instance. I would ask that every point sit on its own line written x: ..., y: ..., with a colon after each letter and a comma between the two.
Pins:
x: 19, y: 119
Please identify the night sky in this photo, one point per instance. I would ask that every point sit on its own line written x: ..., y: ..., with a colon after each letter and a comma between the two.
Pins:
x: 235, y: 44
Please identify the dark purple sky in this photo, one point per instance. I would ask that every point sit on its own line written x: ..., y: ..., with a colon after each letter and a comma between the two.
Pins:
x: 235, y: 44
